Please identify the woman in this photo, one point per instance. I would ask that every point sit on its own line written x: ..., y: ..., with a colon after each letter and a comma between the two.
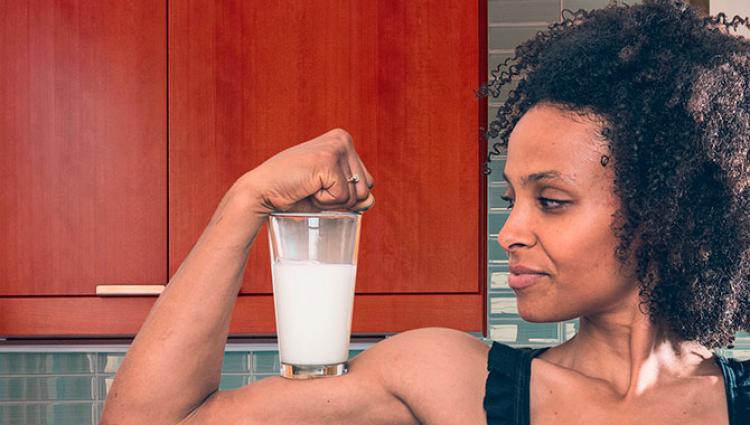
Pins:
x: 628, y: 168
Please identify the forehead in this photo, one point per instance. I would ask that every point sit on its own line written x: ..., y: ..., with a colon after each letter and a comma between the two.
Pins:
x: 547, y: 138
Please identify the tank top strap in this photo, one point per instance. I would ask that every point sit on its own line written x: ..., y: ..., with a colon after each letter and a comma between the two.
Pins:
x: 737, y: 384
x: 506, y: 398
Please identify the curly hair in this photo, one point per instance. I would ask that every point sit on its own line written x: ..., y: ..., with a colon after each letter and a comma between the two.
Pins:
x: 673, y: 92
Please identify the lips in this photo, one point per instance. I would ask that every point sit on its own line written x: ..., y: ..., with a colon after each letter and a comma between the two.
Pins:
x: 522, y: 277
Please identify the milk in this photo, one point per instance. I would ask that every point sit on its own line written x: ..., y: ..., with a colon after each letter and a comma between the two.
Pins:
x: 313, y: 311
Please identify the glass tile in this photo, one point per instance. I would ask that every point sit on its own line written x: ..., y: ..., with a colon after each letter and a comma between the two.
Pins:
x: 103, y: 384
x: 46, y: 388
x: 570, y: 328
x: 522, y: 333
x: 739, y: 354
x: 98, y: 409
x: 266, y: 362
x: 46, y: 363
x: 109, y: 362
x: 503, y: 305
x: 512, y: 37
x: 496, y: 220
x: 48, y: 414
x: 504, y: 332
x: 497, y: 166
x: 498, y: 281
x: 235, y: 361
x: 231, y: 382
x: 495, y: 253
x: 523, y: 10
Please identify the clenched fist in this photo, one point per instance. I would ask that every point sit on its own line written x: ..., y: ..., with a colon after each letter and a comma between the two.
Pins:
x: 324, y: 173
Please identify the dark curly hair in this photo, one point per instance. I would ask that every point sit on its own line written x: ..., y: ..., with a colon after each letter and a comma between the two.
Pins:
x: 673, y: 91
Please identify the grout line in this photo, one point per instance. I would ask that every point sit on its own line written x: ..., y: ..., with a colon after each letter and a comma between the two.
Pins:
x: 95, y: 385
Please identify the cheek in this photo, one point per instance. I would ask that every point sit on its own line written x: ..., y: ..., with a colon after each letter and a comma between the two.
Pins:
x: 587, y: 276
x: 587, y: 272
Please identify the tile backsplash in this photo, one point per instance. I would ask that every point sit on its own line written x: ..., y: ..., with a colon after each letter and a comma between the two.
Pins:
x: 69, y: 388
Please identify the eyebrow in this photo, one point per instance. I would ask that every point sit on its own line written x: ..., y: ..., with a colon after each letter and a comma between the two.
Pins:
x: 543, y: 175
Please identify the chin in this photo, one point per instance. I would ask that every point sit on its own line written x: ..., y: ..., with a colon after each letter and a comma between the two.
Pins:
x: 543, y: 314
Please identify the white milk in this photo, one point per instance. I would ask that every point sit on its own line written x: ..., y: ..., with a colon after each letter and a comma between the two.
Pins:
x: 313, y: 311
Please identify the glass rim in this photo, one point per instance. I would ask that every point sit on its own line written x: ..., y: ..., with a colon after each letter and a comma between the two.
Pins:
x: 320, y: 214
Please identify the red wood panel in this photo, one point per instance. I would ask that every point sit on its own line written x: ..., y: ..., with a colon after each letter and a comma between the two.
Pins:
x: 83, y: 148
x: 248, y: 79
x: 91, y: 316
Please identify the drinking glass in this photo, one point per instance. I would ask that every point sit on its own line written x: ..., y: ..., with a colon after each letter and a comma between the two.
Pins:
x: 314, y: 265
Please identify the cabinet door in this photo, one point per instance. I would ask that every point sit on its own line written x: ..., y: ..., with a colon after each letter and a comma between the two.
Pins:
x: 249, y: 79
x: 83, y: 148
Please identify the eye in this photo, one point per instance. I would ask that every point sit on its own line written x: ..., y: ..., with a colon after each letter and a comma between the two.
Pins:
x: 509, y: 200
x: 552, y: 204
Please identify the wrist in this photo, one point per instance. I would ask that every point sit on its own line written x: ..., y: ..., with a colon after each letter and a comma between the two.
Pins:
x: 240, y: 214
x: 245, y: 198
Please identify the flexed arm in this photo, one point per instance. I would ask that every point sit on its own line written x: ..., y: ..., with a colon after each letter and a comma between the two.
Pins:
x: 174, y: 363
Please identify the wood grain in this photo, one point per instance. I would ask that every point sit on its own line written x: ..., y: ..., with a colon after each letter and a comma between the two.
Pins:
x: 248, y: 79
x: 253, y: 314
x: 83, y: 145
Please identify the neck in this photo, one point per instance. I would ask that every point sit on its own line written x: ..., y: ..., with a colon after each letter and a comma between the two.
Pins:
x: 623, y: 348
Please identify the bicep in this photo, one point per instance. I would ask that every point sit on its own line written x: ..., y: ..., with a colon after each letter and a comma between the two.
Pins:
x: 359, y: 397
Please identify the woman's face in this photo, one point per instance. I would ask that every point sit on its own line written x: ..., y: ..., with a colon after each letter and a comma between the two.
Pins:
x: 561, y: 222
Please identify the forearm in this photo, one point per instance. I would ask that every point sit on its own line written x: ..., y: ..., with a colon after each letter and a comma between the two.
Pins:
x: 175, y: 361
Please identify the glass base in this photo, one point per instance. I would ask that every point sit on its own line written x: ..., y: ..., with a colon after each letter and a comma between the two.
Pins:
x: 291, y: 371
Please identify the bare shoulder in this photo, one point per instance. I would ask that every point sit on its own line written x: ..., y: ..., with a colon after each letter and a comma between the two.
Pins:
x: 437, y: 347
x: 430, y: 375
x: 440, y: 373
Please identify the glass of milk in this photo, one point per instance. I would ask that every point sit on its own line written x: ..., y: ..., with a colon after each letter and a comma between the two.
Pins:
x: 314, y: 265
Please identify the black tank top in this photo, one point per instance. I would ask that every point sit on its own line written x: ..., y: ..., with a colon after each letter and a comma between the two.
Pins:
x: 506, y: 398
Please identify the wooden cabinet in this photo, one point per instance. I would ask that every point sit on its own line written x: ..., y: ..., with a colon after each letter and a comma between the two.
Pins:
x: 83, y: 175
x: 248, y: 79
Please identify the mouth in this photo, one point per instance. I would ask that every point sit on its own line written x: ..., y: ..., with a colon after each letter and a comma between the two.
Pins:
x: 519, y: 281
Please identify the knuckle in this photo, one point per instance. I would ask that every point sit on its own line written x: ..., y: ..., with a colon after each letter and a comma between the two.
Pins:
x: 342, y: 134
x: 343, y: 137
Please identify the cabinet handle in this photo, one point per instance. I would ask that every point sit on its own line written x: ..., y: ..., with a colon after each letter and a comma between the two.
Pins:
x: 128, y: 290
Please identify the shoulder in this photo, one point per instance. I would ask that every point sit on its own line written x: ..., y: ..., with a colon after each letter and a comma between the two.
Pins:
x: 428, y: 343
x: 434, y: 370
x: 439, y: 349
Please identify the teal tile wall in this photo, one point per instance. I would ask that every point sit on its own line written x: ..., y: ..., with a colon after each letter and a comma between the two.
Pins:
x: 70, y: 388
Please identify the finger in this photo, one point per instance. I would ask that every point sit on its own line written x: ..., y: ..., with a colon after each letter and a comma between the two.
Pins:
x: 369, y: 180
x: 336, y: 191
x: 349, y: 172
x: 364, y: 205
x: 361, y: 187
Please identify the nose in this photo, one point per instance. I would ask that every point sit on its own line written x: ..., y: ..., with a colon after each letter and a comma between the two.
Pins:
x: 516, y: 232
